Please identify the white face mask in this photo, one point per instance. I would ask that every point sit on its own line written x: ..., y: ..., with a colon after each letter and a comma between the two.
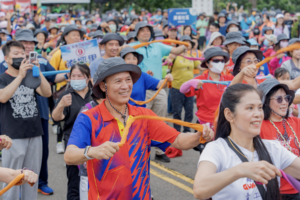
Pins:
x: 283, y: 44
x: 217, y: 67
x: 113, y: 28
x: 233, y: 29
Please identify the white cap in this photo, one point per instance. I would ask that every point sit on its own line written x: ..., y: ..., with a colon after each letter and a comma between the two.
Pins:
x: 3, y: 24
x: 29, y: 26
x: 279, y: 16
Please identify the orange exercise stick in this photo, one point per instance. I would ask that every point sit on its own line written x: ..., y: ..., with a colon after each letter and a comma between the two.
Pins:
x: 16, y: 181
x: 166, y: 40
x: 149, y: 100
x: 87, y: 37
x: 197, y: 127
x: 286, y: 49
x: 55, y: 37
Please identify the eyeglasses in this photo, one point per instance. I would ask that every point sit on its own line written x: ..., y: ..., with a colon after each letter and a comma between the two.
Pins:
x: 279, y: 99
x: 218, y: 60
x: 249, y: 62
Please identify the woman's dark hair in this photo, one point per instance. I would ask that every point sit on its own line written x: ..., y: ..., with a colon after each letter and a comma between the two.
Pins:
x: 211, y: 20
x: 230, y: 99
x: 280, y: 72
x: 266, y: 106
x: 185, y: 27
x: 277, y: 47
x: 84, y: 69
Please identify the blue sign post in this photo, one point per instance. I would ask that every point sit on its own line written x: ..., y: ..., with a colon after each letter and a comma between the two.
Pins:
x: 182, y: 16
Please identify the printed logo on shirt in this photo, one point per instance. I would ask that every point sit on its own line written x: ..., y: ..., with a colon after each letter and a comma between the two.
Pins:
x: 23, y: 103
x: 289, y: 139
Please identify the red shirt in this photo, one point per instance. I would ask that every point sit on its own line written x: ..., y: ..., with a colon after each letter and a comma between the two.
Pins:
x: 229, y: 67
x: 126, y: 175
x: 269, y: 132
x: 208, y: 98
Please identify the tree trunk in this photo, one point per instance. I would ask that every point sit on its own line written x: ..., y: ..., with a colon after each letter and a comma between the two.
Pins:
x: 253, y: 3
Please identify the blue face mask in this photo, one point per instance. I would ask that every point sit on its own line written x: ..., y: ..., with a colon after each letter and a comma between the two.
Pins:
x: 3, y: 42
x: 78, y: 84
x: 266, y: 42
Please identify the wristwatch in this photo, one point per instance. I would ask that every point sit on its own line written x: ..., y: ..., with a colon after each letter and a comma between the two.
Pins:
x: 86, y: 151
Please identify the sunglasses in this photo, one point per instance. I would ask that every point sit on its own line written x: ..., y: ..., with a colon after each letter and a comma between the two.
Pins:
x: 279, y: 99
x: 218, y: 60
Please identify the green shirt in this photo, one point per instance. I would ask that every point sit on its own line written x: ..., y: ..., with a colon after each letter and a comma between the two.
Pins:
x: 39, y: 51
x: 202, y: 23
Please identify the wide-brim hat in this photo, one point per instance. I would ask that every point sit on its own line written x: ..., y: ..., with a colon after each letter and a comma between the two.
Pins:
x: 282, y: 37
x: 232, y: 37
x: 140, y: 25
x: 53, y: 27
x: 158, y: 33
x: 294, y: 40
x: 70, y: 28
x: 269, y: 84
x: 188, y: 38
x: 130, y: 35
x: 37, y: 31
x: 98, y: 33
x: 271, y: 38
x: 233, y: 22
x: 25, y: 35
x: 128, y: 50
x: 212, y: 52
x: 214, y: 36
x: 267, y: 29
x: 112, y: 36
x: 113, y: 20
x: 110, y: 67
x: 241, y: 51
x: 88, y: 20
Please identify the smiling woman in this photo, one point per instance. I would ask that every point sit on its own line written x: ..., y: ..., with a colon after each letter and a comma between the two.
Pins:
x: 238, y: 158
x: 277, y: 124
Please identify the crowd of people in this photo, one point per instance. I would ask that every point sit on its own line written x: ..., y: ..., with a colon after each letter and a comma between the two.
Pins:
x: 250, y: 114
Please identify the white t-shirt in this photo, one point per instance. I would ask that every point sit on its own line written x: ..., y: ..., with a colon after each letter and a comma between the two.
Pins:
x: 219, y: 153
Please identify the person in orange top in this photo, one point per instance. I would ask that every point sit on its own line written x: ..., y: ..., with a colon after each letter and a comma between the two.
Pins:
x: 277, y: 124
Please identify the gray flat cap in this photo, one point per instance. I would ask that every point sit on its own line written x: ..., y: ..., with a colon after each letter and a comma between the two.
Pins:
x: 112, y: 36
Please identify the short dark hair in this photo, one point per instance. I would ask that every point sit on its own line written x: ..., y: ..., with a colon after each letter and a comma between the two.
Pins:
x: 10, y: 44
x: 216, y: 13
x: 280, y: 72
x: 216, y: 25
x: 285, y: 12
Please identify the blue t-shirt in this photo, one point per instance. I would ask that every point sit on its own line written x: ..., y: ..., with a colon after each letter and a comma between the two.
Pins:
x: 153, y: 55
x: 42, y: 101
x: 245, y: 25
x: 145, y: 82
x: 223, y: 30
x: 157, y: 17
x: 94, y: 65
x: 264, y: 69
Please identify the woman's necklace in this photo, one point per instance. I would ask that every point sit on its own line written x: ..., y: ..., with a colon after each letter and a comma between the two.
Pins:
x: 230, y: 140
x: 287, y: 145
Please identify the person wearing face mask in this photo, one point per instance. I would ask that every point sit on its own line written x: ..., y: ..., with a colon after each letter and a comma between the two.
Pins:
x: 282, y: 42
x: 208, y: 95
x: 268, y: 46
x: 233, y: 26
x: 109, y: 46
x: 110, y: 26
x: 293, y: 65
x: 29, y: 42
x: 278, y: 125
x: 20, y: 116
x: 67, y: 108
